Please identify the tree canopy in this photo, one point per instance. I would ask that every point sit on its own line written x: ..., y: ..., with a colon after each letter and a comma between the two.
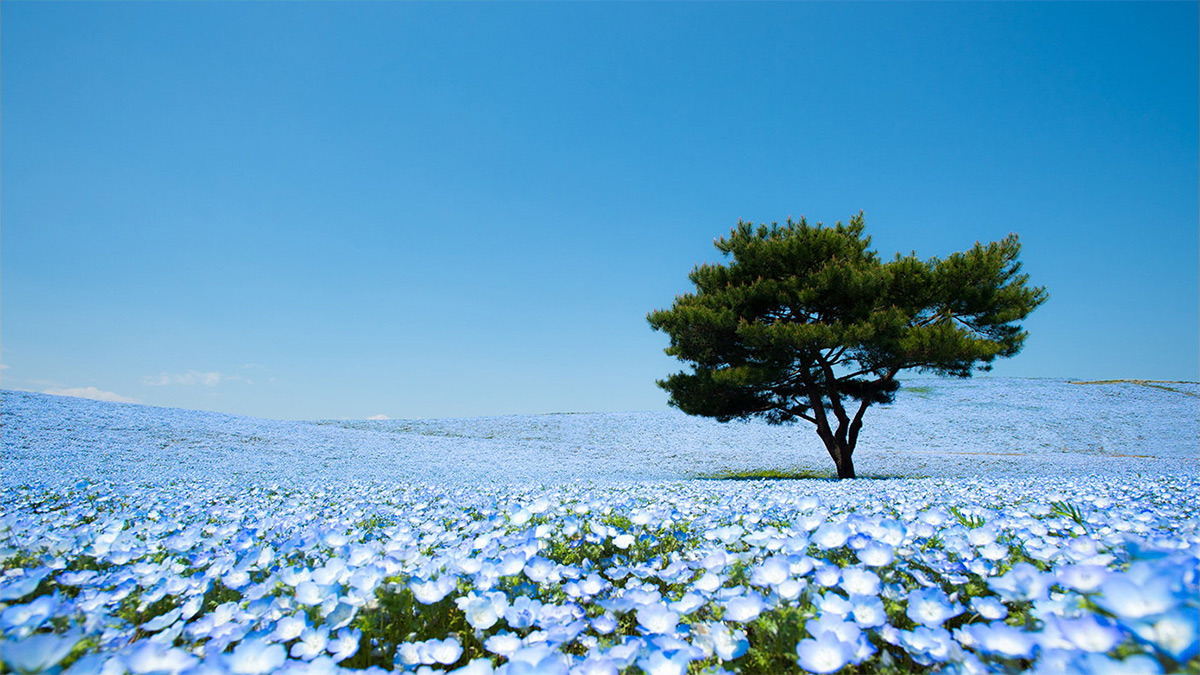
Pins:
x: 808, y: 323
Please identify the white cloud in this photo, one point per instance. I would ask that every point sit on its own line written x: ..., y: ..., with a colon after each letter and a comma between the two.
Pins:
x: 90, y: 392
x: 379, y: 417
x: 190, y: 378
x: 3, y: 366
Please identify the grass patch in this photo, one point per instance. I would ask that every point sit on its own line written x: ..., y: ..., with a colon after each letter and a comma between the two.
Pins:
x: 1157, y: 384
x: 790, y: 474
x: 398, y: 617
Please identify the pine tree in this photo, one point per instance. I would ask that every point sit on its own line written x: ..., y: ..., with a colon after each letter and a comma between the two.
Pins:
x: 807, y: 323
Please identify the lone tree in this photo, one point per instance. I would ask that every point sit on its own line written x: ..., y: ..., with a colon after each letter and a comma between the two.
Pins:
x: 808, y: 323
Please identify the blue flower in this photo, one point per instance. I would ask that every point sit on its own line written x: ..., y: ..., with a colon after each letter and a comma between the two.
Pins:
x: 38, y: 653
x: 824, y: 654
x: 988, y: 607
x: 744, y: 608
x: 930, y: 607
x: 1129, y: 599
x: 1023, y: 582
x: 1174, y: 633
x: 255, y: 657
x: 1002, y: 639
x: 868, y: 611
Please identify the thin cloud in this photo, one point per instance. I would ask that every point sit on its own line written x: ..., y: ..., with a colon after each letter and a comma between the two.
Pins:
x: 92, y: 393
x: 379, y: 417
x: 192, y: 378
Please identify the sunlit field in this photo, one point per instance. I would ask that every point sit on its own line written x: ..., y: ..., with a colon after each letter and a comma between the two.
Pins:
x: 1001, y: 526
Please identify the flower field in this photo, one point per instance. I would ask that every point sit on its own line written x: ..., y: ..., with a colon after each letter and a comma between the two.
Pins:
x: 1023, y: 527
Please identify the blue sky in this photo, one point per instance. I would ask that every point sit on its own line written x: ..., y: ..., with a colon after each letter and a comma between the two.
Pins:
x: 423, y: 210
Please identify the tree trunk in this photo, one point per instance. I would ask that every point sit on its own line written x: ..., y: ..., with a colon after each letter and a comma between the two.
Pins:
x: 842, y: 453
x: 845, y: 467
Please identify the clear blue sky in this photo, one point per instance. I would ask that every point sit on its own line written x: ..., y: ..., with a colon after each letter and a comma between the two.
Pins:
x: 423, y: 210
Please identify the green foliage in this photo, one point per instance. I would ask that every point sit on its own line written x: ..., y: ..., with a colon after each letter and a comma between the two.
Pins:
x: 1068, y: 510
x: 647, y: 545
x: 1155, y: 384
x: 966, y: 520
x: 86, y: 645
x: 773, y: 637
x: 807, y: 322
x: 137, y: 612
x: 397, y: 617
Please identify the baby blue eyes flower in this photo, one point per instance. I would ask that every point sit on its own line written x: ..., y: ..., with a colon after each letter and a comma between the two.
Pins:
x: 657, y: 619
x: 312, y: 643
x: 1023, y: 582
x: 927, y: 646
x: 825, y: 654
x: 38, y: 653
x: 744, y: 608
x: 791, y: 588
x: 1087, y: 633
x: 1128, y: 599
x: 536, y: 659
x: 827, y: 575
x: 19, y: 587
x: 24, y: 619
x: 429, y: 652
x: 288, y: 628
x: 429, y: 592
x: 876, y: 554
x: 478, y: 667
x: 832, y: 603
x: 539, y: 569
x: 256, y: 657
x: 444, y: 651
x: 1176, y: 633
x: 592, y: 584
x: 660, y: 663
x: 481, y: 612
x: 1000, y: 638
x: 1099, y: 664
x: 989, y: 608
x: 831, y: 535
x: 150, y: 658
x: 772, y: 571
x: 930, y: 607
x: 726, y: 644
x: 523, y: 612
x: 994, y: 551
x: 858, y: 581
x: 604, y: 624
x: 1082, y: 578
x: 345, y: 644
x: 162, y: 621
x: 504, y: 643
x: 308, y: 593
x: 708, y: 582
x: 982, y: 536
x: 868, y: 611
x: 236, y: 580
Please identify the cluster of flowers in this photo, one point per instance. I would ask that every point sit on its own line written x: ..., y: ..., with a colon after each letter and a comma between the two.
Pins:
x: 1066, y: 576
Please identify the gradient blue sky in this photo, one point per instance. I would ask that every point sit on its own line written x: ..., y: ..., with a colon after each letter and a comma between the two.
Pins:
x: 424, y: 210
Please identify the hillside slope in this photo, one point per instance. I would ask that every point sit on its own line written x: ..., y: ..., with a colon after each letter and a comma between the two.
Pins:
x: 985, y: 426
